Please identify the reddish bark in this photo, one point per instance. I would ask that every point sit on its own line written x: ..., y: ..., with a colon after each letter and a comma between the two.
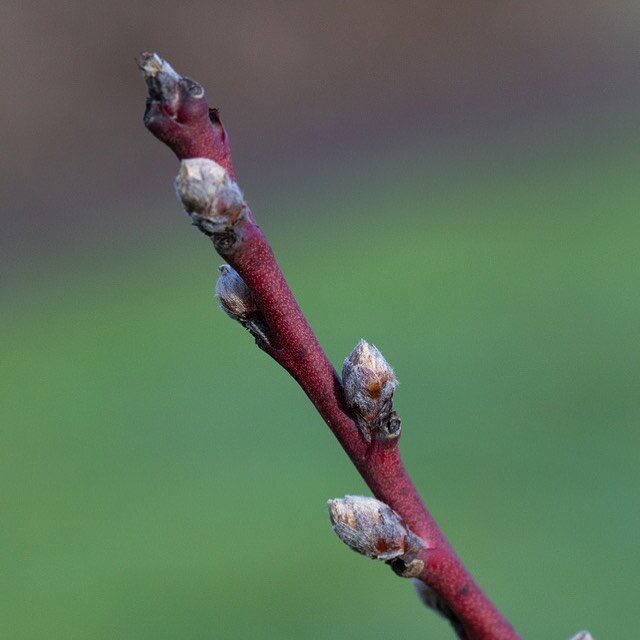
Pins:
x: 179, y: 116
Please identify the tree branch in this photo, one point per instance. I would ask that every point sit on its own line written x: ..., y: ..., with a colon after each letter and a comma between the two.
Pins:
x: 178, y: 114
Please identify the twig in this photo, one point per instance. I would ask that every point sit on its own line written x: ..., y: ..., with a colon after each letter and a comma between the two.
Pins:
x: 178, y: 114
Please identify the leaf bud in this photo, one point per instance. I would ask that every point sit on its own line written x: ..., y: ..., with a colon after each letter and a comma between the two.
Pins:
x: 373, y: 529
x: 369, y: 383
x: 209, y: 195
x: 237, y: 302
x: 233, y: 295
x: 152, y: 65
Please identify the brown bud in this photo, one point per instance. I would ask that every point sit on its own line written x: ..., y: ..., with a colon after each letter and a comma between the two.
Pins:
x: 212, y: 199
x: 373, y: 529
x: 234, y: 296
x: 237, y: 302
x: 369, y: 383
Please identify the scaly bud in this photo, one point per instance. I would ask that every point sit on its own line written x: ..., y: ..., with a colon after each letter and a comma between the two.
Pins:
x: 431, y: 599
x: 234, y: 296
x: 369, y: 384
x: 582, y: 635
x: 373, y: 529
x: 236, y: 301
x: 155, y: 67
x: 212, y: 199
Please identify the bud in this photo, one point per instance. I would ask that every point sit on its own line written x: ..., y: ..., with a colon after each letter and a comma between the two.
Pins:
x: 153, y: 65
x: 234, y: 296
x: 431, y: 599
x: 369, y: 383
x: 212, y: 199
x: 373, y: 529
x: 582, y: 635
x: 237, y: 302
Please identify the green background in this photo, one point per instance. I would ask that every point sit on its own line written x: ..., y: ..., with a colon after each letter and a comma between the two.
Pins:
x: 162, y: 478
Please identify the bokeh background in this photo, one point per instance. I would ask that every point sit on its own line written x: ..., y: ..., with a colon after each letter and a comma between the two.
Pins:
x: 457, y: 182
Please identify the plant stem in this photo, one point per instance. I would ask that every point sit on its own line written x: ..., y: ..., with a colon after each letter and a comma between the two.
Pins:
x: 178, y: 114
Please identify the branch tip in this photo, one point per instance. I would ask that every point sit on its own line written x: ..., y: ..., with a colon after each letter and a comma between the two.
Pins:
x: 163, y: 81
x: 152, y: 65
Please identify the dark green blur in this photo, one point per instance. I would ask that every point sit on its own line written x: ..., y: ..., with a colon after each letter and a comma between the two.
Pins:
x: 163, y: 479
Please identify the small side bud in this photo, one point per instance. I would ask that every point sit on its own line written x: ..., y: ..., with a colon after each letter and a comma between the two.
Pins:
x: 237, y: 302
x: 582, y: 635
x: 369, y: 384
x: 431, y: 599
x: 234, y: 296
x: 373, y: 529
x: 212, y: 199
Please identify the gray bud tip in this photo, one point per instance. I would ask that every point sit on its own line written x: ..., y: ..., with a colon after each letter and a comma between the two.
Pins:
x: 368, y: 380
x: 370, y: 527
x: 152, y: 65
x: 582, y: 635
x: 212, y: 199
x: 234, y: 296
x: 369, y: 356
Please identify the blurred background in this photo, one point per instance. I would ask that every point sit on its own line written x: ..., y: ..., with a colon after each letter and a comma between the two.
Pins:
x: 456, y: 182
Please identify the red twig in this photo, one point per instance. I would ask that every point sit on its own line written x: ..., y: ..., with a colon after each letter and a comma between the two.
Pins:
x: 178, y: 114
